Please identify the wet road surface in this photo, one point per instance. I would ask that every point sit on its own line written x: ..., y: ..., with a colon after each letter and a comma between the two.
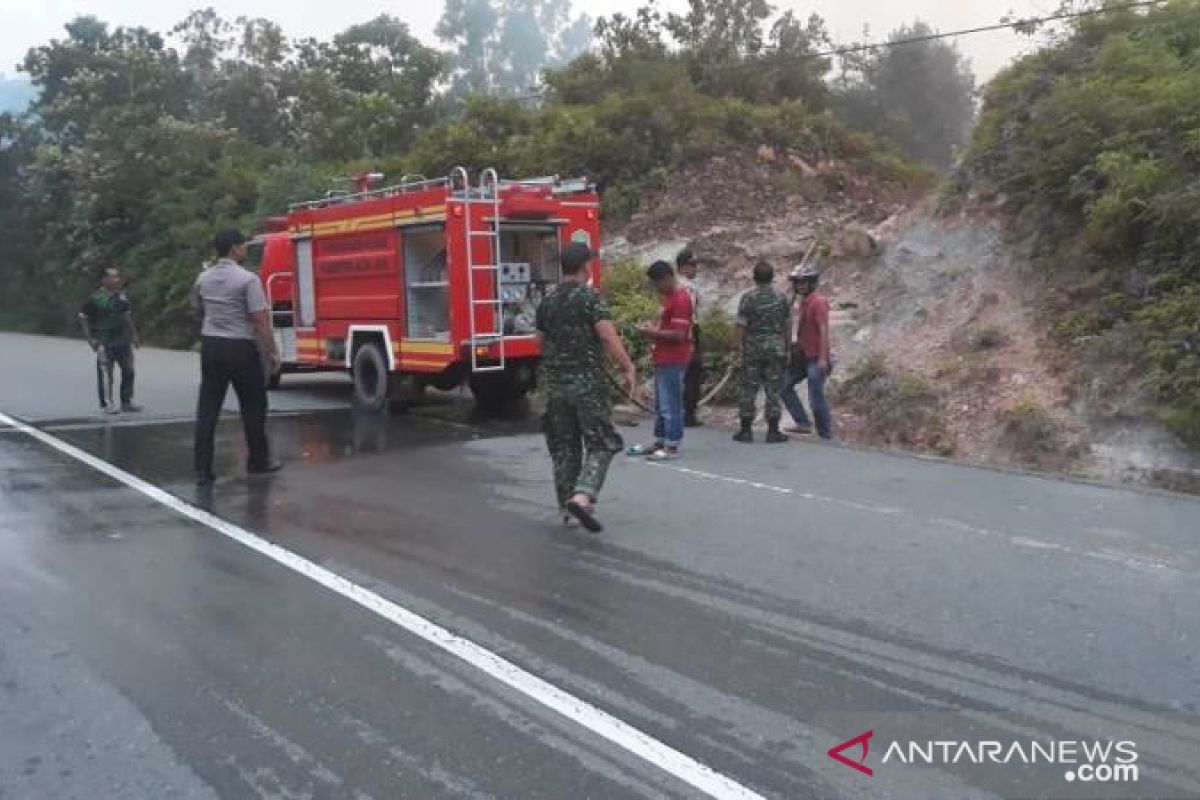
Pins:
x: 749, y: 608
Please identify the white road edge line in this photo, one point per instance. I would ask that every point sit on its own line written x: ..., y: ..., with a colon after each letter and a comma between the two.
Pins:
x: 582, y: 713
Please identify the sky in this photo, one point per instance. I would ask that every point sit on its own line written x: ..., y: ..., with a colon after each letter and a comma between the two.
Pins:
x: 25, y: 25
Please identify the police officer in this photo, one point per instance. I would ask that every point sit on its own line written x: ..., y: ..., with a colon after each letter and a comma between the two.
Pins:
x: 762, y: 344
x: 576, y: 330
x: 235, y: 339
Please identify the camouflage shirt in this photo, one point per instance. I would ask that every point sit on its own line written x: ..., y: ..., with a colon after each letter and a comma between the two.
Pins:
x: 572, y: 355
x: 764, y: 314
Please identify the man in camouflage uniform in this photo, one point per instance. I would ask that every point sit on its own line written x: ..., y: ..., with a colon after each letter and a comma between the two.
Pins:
x: 762, y: 339
x: 576, y: 330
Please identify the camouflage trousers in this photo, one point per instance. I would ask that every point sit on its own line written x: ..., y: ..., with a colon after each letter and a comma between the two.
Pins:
x: 582, y: 442
x: 761, y: 370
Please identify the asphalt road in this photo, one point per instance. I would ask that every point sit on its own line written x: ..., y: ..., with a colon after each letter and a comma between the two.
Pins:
x: 400, y: 614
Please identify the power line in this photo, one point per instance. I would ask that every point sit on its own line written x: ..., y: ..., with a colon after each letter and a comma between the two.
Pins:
x: 933, y: 37
x: 866, y: 48
x: 1000, y: 26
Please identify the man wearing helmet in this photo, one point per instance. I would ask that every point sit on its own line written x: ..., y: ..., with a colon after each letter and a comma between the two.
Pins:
x: 810, y: 357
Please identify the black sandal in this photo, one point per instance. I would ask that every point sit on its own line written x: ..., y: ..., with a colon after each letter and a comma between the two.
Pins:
x: 584, y: 515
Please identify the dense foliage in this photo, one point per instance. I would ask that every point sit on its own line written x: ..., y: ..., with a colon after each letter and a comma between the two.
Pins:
x: 139, y: 143
x: 1095, y: 141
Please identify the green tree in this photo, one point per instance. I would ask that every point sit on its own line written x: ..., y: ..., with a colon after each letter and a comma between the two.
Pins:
x: 365, y: 93
x: 1095, y: 141
x: 918, y: 95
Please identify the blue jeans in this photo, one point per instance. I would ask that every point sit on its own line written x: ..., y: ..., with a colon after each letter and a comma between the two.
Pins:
x: 805, y: 370
x: 668, y: 404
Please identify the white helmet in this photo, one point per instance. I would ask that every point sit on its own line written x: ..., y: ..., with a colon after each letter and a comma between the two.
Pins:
x: 804, y: 272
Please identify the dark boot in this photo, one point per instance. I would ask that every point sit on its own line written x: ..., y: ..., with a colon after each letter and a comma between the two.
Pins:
x: 745, y: 435
x: 774, y: 436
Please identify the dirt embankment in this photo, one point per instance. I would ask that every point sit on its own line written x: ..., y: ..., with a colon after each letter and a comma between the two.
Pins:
x: 938, y: 322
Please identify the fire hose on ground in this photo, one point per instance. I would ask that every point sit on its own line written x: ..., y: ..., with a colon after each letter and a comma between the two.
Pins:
x: 704, y: 401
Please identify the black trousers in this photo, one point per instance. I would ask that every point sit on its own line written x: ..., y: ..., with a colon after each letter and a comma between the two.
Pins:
x: 224, y: 362
x: 693, y: 379
x: 109, y: 357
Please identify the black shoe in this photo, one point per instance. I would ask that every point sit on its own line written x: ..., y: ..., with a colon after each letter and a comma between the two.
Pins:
x: 132, y: 408
x: 266, y: 469
x: 205, y: 479
x: 745, y: 436
x: 775, y: 437
x: 693, y: 423
x: 585, y: 517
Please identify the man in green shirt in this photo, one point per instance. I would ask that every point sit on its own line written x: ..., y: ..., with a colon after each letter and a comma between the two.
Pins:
x: 106, y: 319
x: 576, y: 330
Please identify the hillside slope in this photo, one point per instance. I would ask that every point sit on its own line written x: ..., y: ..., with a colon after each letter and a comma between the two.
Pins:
x: 939, y: 329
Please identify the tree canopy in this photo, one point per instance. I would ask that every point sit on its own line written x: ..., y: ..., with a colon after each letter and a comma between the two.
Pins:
x: 139, y: 143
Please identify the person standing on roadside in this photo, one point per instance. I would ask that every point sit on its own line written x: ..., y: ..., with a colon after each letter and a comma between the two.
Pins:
x: 810, y: 358
x: 688, y: 267
x: 235, y: 338
x: 576, y: 330
x: 106, y: 319
x: 672, y: 338
x: 761, y: 342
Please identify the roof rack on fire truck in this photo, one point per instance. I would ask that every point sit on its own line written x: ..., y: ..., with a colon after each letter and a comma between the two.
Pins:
x: 419, y: 183
x: 454, y: 181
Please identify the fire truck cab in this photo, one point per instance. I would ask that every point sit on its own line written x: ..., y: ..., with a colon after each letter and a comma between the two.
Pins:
x: 425, y: 283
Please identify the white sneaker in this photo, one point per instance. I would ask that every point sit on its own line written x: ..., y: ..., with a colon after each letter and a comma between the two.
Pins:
x: 112, y: 408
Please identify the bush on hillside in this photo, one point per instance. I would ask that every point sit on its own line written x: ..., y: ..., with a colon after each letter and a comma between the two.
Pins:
x: 1094, y: 142
x: 899, y: 408
x: 1034, y: 437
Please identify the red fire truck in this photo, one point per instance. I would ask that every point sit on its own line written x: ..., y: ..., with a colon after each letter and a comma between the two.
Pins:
x: 426, y: 283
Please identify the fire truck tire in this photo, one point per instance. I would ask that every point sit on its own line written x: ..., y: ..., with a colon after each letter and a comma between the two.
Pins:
x: 371, y: 378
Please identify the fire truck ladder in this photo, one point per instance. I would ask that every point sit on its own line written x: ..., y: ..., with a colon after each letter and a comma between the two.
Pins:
x: 482, y: 292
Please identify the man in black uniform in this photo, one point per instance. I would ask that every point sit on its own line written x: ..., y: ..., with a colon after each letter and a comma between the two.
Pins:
x: 235, y: 339
x: 688, y: 267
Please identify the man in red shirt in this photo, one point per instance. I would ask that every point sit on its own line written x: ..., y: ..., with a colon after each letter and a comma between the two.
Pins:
x: 810, y: 358
x: 672, y: 338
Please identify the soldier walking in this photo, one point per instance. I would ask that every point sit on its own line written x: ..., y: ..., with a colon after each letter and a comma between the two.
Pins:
x: 762, y: 344
x: 576, y: 330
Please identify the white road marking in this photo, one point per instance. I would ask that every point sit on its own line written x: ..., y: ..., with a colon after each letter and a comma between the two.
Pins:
x: 582, y: 713
x: 781, y: 490
x: 1025, y: 542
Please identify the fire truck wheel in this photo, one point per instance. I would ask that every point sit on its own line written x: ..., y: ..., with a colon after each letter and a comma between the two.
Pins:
x: 371, y: 378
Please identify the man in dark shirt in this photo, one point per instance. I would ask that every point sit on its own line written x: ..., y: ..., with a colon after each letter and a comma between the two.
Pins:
x: 688, y: 267
x: 106, y: 319
x: 576, y: 330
